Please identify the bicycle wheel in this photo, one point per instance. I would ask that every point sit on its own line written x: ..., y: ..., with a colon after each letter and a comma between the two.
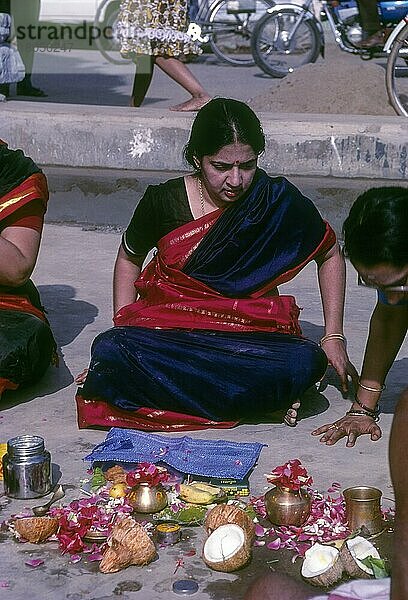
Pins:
x: 275, y: 51
x: 230, y: 32
x: 107, y: 42
x: 397, y: 73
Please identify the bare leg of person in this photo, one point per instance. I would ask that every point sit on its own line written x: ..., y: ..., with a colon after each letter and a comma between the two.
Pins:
x: 143, y: 77
x: 182, y: 75
x: 398, y: 457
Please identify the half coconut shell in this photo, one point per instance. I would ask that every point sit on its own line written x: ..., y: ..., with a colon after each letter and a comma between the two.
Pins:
x: 228, y: 513
x: 36, y: 529
x: 322, y: 565
x: 128, y: 544
x: 227, y: 549
x: 352, y: 552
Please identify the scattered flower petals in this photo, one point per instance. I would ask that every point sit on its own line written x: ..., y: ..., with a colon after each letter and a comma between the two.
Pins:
x: 292, y: 475
x: 34, y: 562
x: 259, y: 530
x: 147, y: 473
x: 335, y: 487
x: 95, y: 556
x: 275, y: 545
x: 97, y: 512
x: 75, y: 558
x: 179, y: 563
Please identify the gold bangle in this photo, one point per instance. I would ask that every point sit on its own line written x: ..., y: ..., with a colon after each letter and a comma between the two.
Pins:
x: 363, y: 413
x: 332, y: 336
x: 371, y: 389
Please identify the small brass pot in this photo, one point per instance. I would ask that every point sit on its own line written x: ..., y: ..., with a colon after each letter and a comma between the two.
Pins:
x: 146, y: 498
x: 287, y: 507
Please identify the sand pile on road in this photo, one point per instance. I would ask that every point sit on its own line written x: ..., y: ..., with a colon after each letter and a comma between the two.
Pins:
x: 329, y: 88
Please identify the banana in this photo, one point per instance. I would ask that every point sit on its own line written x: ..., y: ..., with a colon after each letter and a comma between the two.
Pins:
x: 194, y: 495
x: 207, y: 487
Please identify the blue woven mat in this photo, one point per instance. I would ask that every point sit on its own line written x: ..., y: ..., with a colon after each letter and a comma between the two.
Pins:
x: 212, y: 458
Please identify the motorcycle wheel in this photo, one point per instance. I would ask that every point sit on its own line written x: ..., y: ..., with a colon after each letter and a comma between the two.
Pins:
x: 272, y: 51
x: 397, y: 73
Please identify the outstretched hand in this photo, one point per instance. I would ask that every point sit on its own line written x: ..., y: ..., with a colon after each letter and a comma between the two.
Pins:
x: 338, y: 358
x: 348, y: 426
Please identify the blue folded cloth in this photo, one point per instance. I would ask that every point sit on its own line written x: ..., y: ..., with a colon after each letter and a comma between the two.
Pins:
x: 212, y: 458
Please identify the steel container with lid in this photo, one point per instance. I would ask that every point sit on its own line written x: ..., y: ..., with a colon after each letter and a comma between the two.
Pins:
x: 27, y: 467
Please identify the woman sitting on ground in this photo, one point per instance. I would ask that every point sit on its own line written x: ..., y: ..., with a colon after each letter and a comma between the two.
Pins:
x: 376, y: 242
x: 26, y: 343
x: 202, y: 337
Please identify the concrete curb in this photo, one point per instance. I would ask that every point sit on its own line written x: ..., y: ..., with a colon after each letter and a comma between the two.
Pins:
x: 150, y: 139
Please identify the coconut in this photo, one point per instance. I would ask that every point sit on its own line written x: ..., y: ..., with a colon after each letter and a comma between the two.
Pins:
x: 115, y: 474
x: 36, y: 529
x: 322, y: 565
x: 127, y: 545
x: 227, y: 549
x: 228, y: 513
x: 353, y: 552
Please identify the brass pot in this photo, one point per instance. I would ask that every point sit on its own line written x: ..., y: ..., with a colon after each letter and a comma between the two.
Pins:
x: 287, y: 507
x: 146, y: 498
x: 363, y: 508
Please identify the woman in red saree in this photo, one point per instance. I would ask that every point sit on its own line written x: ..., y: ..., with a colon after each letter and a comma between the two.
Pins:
x: 202, y: 337
x: 26, y: 343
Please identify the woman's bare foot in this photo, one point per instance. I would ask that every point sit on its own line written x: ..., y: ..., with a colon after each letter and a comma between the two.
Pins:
x: 191, y: 105
x: 80, y: 378
x: 291, y: 415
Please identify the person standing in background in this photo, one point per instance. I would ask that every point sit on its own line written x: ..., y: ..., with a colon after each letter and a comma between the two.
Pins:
x: 24, y: 13
x: 154, y: 32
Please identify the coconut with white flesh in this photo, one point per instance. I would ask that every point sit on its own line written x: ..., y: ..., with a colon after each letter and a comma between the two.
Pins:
x: 353, y: 552
x: 227, y: 548
x: 322, y: 565
x: 229, y: 513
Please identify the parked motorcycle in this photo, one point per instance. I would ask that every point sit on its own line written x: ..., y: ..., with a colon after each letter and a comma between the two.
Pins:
x: 290, y: 35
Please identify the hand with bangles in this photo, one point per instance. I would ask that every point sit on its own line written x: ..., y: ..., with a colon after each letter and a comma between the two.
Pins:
x: 350, y: 426
x: 335, y: 350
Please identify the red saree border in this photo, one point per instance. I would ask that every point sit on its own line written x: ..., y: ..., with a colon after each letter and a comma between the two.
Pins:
x: 98, y: 413
x: 6, y: 384
x: 20, y: 304
x: 33, y: 188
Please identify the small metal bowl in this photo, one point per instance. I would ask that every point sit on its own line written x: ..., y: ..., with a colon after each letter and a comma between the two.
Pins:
x: 95, y: 537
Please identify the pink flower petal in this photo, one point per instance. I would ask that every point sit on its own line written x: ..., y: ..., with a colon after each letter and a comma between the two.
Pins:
x: 75, y: 558
x: 34, y: 562
x: 275, y: 545
x: 4, y: 583
x: 95, y: 556
x: 259, y: 530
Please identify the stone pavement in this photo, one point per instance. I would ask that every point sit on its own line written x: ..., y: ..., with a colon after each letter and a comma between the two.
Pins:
x: 74, y: 278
